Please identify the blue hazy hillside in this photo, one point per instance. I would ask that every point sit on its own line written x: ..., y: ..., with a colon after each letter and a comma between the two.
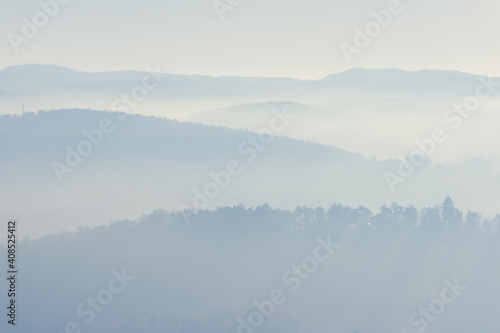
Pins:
x: 149, y: 163
x: 202, y: 276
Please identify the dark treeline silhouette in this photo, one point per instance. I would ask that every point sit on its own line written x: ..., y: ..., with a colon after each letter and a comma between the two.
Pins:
x: 340, y: 218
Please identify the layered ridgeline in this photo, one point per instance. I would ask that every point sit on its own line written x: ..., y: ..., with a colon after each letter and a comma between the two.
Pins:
x: 381, y: 113
x: 375, y: 91
x: 34, y: 79
x: 266, y: 270
x: 68, y: 168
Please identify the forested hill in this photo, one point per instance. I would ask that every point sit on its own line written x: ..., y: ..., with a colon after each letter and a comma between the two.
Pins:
x: 202, y: 276
x: 63, y: 169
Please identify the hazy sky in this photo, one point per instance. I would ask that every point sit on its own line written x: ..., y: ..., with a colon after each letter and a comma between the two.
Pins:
x: 258, y: 38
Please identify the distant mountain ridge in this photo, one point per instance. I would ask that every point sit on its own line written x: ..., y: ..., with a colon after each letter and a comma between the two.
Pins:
x: 37, y: 76
x: 392, y: 73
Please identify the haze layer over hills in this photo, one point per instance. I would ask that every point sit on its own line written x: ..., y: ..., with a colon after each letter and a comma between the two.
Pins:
x: 72, y: 168
x: 377, y: 113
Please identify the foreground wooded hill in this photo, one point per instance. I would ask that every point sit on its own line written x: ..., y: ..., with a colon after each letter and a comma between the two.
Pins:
x: 202, y: 276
